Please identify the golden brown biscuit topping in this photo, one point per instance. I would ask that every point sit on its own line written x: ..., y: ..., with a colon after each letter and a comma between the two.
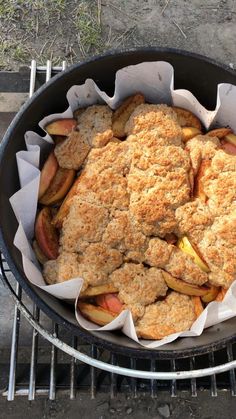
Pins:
x: 133, y: 202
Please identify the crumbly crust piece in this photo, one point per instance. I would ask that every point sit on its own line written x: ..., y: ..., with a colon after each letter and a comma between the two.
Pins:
x: 85, y: 223
x: 137, y: 310
x: 173, y: 260
x: 201, y: 147
x: 158, y: 117
x: 158, y: 183
x: 121, y: 234
x: 220, y: 183
x: 138, y: 284
x: 62, y: 269
x: 218, y: 247
x: 103, y: 180
x: 95, y: 125
x: 192, y: 220
x: 153, y: 138
x: 72, y: 152
x: 97, y: 262
x: 174, y: 314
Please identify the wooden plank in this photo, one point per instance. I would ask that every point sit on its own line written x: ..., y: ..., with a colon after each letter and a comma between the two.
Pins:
x: 5, y: 120
x: 12, y: 102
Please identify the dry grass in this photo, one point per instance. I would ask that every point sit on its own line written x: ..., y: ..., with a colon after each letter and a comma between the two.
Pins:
x: 87, y: 25
x: 48, y: 29
x: 60, y: 30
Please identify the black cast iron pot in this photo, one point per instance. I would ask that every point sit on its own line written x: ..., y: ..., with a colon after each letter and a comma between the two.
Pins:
x: 193, y: 72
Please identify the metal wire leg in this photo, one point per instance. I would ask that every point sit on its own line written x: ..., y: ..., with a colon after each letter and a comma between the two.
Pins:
x: 34, y: 353
x: 14, y: 348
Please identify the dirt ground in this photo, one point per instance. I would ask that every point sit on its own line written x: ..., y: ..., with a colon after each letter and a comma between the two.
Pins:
x: 72, y: 30
x: 123, y: 407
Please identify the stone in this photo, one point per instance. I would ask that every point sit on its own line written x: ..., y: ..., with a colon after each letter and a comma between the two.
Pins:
x: 129, y: 410
x: 164, y: 411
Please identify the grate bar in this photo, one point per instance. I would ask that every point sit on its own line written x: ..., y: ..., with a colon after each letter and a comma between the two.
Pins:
x: 34, y: 353
x: 52, y: 385
x: 173, y: 382
x: 193, y: 380
x: 231, y: 372
x: 73, y: 370
x: 133, y: 380
x: 113, y: 378
x: 153, y: 383
x: 4, y: 267
x: 93, y: 372
x: 213, y: 376
x: 14, y: 347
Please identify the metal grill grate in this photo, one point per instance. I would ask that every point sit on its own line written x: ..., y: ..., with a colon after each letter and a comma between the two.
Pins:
x: 71, y: 365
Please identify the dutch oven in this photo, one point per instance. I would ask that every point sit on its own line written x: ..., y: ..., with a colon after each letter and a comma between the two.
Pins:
x: 193, y: 72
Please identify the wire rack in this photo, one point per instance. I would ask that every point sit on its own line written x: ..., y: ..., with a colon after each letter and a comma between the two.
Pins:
x: 91, y: 368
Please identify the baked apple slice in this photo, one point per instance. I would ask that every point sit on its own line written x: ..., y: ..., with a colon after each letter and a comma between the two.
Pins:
x: 98, y: 290
x: 221, y: 295
x: 187, y: 247
x: 230, y: 138
x: 65, y: 206
x: 97, y: 315
x: 46, y: 235
x: 59, y: 186
x: 38, y: 253
x: 182, y: 286
x: 211, y: 294
x: 198, y: 307
x: 228, y: 143
x: 228, y: 147
x: 187, y: 118
x: 219, y: 132
x: 61, y: 127
x: 190, y: 132
x: 110, y: 302
x: 48, y: 172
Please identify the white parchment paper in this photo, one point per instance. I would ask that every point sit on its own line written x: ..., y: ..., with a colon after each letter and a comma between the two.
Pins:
x: 156, y: 81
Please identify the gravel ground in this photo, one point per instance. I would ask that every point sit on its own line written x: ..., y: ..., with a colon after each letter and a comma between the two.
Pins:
x: 102, y: 408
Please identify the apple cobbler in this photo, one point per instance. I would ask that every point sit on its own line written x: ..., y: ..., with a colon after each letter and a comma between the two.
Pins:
x: 140, y: 203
